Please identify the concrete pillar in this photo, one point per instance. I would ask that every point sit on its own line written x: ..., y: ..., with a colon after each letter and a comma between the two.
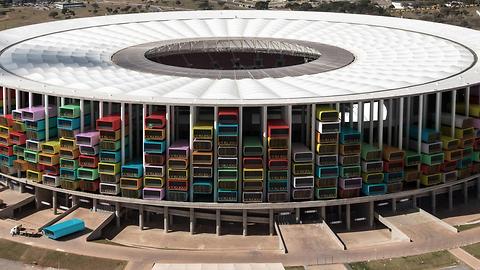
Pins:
x: 450, y: 197
x: 165, y: 219
x: 465, y: 192
x: 244, y: 222
x: 94, y: 205
x: 339, y: 208
x: 394, y: 205
x: 74, y: 200
x: 270, y: 221
x: 37, y: 198
x: 414, y: 201
x: 148, y: 214
x: 218, y: 222
x: 297, y: 215
x: 192, y: 221
x: 22, y: 187
x: 117, y: 213
x: 140, y: 217
x: 348, y: 219
x: 371, y: 214
x: 434, y: 201
x: 323, y: 212
x: 54, y: 202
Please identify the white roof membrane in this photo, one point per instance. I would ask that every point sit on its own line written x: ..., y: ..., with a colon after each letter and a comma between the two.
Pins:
x: 393, y: 57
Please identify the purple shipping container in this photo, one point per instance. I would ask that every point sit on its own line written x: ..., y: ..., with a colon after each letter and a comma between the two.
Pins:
x: 153, y: 193
x: 179, y: 149
x: 350, y: 183
x: 91, y: 138
x: 38, y: 113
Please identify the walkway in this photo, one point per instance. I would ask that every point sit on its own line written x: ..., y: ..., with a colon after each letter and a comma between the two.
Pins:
x: 466, y: 257
x: 140, y: 256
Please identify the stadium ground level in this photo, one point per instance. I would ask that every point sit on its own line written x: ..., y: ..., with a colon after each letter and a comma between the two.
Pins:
x: 265, y: 213
x: 295, y: 256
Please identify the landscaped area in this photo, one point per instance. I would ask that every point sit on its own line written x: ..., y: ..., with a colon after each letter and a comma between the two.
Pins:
x: 434, y: 260
x: 473, y: 249
x: 56, y: 259
x: 465, y: 227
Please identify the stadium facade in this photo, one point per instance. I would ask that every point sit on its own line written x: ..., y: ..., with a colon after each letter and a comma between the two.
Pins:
x: 240, y: 115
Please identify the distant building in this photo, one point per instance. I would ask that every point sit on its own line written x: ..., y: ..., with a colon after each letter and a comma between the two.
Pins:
x: 64, y: 5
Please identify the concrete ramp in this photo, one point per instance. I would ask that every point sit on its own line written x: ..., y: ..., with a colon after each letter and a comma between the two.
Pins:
x: 363, y: 239
x: 420, y: 226
x: 12, y: 200
x: 36, y: 218
x: 94, y: 221
x: 301, y: 237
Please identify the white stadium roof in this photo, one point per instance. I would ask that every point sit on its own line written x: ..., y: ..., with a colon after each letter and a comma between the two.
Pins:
x: 392, y: 57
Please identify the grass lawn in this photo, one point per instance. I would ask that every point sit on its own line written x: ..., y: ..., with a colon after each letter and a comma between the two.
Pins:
x: 14, y: 251
x: 465, y: 227
x: 432, y: 260
x: 473, y: 249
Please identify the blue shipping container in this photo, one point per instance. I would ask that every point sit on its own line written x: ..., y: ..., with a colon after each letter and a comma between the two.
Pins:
x: 64, y: 228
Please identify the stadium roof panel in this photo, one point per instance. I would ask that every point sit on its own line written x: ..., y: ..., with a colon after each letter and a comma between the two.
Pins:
x: 392, y: 57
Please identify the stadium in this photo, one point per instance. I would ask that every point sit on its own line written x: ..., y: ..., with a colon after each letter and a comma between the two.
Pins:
x: 240, y: 116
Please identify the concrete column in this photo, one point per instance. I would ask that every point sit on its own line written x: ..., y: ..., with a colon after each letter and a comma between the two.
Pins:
x: 394, y: 205
x: 74, y: 200
x: 323, y: 212
x: 450, y: 197
x: 465, y: 192
x: 434, y: 201
x: 94, y: 205
x: 22, y: 187
x: 148, y: 214
x: 165, y: 219
x: 54, y: 202
x: 339, y: 208
x: 37, y: 198
x: 140, y: 217
x: 122, y: 131
x: 348, y: 219
x: 297, y: 215
x: 218, y: 222
x: 370, y: 214
x: 192, y: 221
x: 414, y: 201
x: 244, y: 222
x: 270, y: 221
x: 117, y: 213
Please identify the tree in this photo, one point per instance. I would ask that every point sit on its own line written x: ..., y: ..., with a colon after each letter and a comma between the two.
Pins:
x: 261, y: 5
x: 53, y: 14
